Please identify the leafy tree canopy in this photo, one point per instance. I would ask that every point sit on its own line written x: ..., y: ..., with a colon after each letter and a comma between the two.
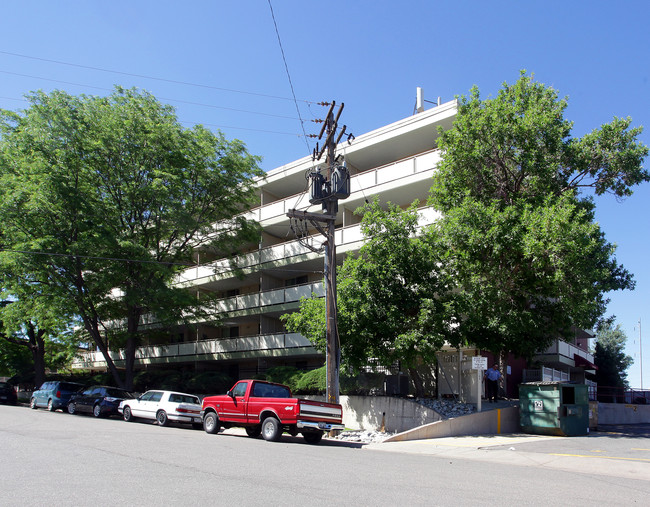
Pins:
x: 610, y: 357
x: 394, y: 302
x: 528, y: 258
x: 104, y: 200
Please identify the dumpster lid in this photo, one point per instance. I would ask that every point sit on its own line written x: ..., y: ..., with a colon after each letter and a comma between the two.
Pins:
x: 551, y: 383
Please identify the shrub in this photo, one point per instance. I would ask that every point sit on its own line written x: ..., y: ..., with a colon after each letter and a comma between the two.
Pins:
x: 287, y: 375
x: 313, y: 382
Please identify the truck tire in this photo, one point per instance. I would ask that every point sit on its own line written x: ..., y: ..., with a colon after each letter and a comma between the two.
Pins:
x: 312, y: 437
x: 271, y: 429
x: 211, y: 423
x: 254, y: 431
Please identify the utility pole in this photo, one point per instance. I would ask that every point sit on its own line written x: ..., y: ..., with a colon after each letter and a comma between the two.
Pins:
x: 327, y: 190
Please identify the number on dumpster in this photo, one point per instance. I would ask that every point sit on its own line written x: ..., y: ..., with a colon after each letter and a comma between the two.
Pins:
x: 538, y: 405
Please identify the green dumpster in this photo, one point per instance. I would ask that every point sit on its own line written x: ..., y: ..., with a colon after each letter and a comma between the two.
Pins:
x: 554, y: 408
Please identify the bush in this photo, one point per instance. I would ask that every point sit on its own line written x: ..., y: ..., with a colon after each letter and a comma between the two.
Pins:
x: 287, y: 375
x: 313, y: 382
x: 209, y: 382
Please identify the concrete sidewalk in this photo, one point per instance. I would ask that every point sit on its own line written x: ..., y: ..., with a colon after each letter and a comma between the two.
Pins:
x: 586, y: 454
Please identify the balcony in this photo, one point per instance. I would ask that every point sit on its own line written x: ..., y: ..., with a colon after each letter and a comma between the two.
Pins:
x: 563, y: 355
x: 278, y: 344
x: 347, y: 238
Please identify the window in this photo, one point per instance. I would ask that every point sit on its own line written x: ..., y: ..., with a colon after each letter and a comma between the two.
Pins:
x: 240, y: 389
x: 156, y: 396
x: 299, y: 280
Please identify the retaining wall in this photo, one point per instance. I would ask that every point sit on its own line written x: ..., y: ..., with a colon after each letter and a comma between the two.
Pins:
x: 622, y: 413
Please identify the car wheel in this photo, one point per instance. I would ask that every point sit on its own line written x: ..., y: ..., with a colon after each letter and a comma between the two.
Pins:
x: 32, y: 403
x: 50, y: 406
x: 72, y: 407
x: 162, y: 419
x: 254, y: 431
x: 271, y: 429
x: 97, y: 411
x: 312, y: 437
x: 128, y: 416
x: 211, y: 423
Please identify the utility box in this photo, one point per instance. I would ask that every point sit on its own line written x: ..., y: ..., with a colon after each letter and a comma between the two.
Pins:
x: 554, y: 408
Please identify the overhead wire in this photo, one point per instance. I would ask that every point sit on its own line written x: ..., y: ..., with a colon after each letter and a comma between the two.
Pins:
x: 144, y: 76
x: 286, y: 66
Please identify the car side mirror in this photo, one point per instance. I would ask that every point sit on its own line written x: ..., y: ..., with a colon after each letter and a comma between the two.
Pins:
x: 229, y: 393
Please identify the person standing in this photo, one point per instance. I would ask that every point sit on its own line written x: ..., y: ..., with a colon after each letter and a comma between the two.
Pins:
x: 492, y: 376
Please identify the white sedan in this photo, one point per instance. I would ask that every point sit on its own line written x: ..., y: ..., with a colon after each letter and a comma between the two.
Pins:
x: 163, y: 407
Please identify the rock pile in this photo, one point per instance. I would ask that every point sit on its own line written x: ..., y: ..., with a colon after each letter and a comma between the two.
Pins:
x: 363, y: 436
x: 447, y: 408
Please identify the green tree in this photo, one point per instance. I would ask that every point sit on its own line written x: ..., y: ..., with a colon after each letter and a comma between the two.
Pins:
x: 35, y: 336
x: 611, y: 360
x: 394, y: 297
x: 529, y: 260
x: 105, y: 200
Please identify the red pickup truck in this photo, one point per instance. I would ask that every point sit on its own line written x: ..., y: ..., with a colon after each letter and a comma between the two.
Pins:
x: 269, y: 409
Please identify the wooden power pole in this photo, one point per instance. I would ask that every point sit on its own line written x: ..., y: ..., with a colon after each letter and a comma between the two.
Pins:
x: 327, y: 190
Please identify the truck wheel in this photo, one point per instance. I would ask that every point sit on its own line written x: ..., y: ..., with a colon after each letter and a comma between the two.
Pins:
x: 211, y: 423
x: 253, y: 431
x: 312, y: 437
x: 271, y: 429
x: 162, y: 419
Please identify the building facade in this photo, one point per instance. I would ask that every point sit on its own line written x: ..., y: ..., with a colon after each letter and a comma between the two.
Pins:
x: 394, y: 163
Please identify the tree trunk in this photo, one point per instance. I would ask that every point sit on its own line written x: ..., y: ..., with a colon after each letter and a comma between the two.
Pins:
x: 503, y: 365
x: 93, y: 330
x: 417, y: 382
x: 133, y: 322
x: 36, y: 345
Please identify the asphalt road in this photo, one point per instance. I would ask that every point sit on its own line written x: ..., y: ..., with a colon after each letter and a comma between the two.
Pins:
x: 59, y: 459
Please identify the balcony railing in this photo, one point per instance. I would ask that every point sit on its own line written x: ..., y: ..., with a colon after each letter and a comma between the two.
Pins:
x: 568, y: 350
x: 194, y: 350
x: 345, y: 237
x: 366, y: 180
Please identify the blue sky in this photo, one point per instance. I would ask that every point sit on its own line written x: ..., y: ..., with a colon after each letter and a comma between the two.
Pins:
x: 220, y: 64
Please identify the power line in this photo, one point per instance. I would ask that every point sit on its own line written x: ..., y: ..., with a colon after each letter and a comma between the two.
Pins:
x: 293, y: 93
x: 143, y: 76
x: 160, y: 98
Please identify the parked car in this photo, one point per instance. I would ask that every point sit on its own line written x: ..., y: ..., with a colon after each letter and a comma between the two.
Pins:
x: 8, y: 394
x: 163, y: 407
x: 54, y: 394
x: 100, y: 401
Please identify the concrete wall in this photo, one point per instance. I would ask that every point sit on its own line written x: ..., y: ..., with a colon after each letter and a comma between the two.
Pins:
x: 491, y: 422
x: 394, y: 414
x: 374, y: 412
x: 620, y: 413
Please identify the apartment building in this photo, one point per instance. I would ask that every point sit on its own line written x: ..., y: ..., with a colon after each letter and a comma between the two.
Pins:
x: 395, y: 163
